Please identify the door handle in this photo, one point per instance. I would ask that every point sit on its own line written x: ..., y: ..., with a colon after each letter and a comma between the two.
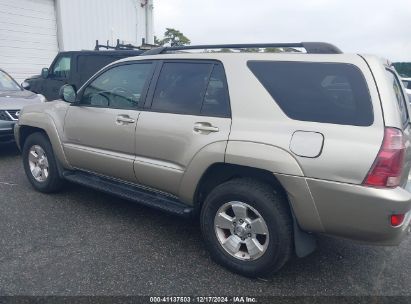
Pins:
x: 205, y: 127
x: 125, y: 119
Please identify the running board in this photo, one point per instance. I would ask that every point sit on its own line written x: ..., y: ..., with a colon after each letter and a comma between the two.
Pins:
x: 129, y: 192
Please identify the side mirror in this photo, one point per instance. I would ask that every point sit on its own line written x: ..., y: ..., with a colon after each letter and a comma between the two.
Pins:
x: 68, y: 93
x: 44, y: 73
x: 25, y: 85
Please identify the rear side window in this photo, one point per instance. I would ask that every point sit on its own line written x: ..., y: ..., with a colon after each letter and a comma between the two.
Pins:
x: 398, y: 96
x: 191, y: 88
x: 334, y: 93
x: 216, y: 101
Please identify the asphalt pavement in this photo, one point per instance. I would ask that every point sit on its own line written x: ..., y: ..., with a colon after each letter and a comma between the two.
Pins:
x: 82, y: 242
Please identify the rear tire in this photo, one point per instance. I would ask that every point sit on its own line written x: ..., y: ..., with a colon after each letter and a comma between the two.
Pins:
x: 40, y: 164
x: 263, y: 247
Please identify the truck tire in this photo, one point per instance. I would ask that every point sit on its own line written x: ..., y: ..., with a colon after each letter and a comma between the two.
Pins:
x: 247, y: 227
x: 40, y: 164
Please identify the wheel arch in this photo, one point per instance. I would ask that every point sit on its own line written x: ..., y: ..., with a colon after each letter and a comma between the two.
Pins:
x: 218, y: 173
x: 25, y: 131
x: 304, y: 243
x: 40, y: 122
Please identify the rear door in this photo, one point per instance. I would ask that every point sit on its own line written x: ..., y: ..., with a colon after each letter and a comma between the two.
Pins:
x: 187, y: 109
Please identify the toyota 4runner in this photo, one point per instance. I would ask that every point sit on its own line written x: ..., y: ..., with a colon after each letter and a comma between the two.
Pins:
x: 268, y: 149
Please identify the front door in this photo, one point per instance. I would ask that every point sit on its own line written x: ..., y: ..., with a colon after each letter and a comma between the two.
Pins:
x: 59, y: 75
x: 100, y: 127
x: 187, y: 109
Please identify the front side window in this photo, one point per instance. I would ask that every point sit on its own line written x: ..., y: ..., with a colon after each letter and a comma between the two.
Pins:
x: 334, y: 93
x: 7, y: 83
x: 119, y: 87
x: 61, y: 68
x: 399, y: 96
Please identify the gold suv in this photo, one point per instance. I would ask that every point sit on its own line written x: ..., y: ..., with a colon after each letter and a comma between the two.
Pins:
x: 266, y: 148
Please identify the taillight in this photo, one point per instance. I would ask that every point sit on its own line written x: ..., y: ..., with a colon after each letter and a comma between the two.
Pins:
x: 397, y: 219
x: 387, y: 168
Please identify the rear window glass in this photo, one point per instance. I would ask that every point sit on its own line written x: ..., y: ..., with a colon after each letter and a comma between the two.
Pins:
x: 399, y: 97
x: 320, y: 92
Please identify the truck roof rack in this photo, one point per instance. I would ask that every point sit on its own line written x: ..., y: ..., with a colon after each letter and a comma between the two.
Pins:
x: 310, y: 47
x: 120, y: 46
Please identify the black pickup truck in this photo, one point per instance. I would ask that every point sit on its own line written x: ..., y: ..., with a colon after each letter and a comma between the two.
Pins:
x: 74, y: 68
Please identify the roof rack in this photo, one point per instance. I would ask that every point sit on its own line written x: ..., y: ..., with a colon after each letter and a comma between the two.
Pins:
x: 310, y: 47
x: 119, y: 46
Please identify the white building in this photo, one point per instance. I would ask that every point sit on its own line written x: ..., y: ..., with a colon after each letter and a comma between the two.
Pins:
x: 32, y: 32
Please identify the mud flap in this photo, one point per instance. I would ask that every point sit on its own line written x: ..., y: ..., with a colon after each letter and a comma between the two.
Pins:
x: 305, y: 243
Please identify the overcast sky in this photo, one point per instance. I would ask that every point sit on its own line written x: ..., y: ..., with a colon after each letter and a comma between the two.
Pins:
x: 364, y: 26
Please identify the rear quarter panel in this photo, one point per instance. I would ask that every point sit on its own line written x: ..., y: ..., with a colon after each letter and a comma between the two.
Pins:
x: 348, y: 152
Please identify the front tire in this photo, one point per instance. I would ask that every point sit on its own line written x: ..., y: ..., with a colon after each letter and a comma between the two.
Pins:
x: 40, y: 164
x: 247, y: 227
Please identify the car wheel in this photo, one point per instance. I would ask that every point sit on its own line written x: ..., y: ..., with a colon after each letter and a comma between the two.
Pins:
x: 40, y: 164
x: 247, y: 227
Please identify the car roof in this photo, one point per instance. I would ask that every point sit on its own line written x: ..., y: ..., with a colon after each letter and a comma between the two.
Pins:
x: 239, y: 56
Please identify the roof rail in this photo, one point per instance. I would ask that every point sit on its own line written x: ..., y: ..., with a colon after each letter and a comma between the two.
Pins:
x: 310, y: 47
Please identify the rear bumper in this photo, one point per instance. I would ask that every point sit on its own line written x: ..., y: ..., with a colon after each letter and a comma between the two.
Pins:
x: 361, y: 213
x: 6, y: 131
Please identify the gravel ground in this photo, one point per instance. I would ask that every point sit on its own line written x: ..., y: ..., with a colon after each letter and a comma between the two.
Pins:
x: 82, y: 242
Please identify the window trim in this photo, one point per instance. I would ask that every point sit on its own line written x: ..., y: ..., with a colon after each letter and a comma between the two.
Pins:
x: 143, y: 96
x: 153, y: 85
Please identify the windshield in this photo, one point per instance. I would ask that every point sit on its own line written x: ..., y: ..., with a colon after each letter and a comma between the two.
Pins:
x: 7, y: 83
